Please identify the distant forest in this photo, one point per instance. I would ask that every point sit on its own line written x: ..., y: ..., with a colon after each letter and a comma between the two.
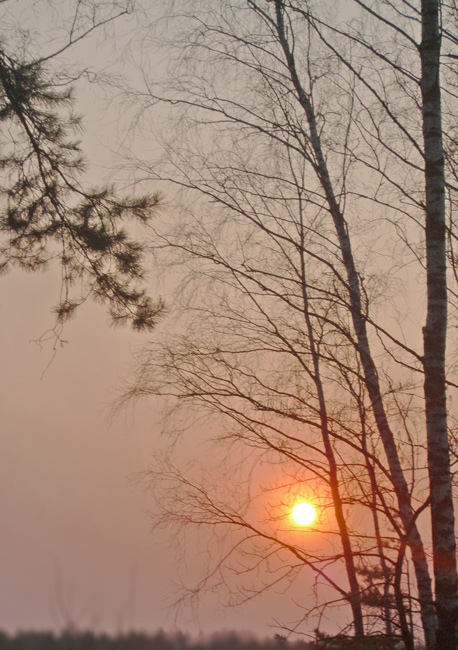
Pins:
x: 71, y: 640
x: 80, y: 640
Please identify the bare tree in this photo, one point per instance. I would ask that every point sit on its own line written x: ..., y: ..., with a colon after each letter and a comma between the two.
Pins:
x: 315, y: 141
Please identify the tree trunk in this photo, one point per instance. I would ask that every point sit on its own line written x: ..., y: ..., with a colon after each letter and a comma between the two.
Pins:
x: 370, y: 372
x: 354, y: 596
x: 434, y: 335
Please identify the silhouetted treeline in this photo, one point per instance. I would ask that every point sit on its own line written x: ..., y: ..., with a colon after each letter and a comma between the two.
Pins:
x: 80, y: 640
x: 137, y: 641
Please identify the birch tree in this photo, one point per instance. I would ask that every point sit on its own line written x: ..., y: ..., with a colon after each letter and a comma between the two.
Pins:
x: 435, y: 333
x: 318, y: 133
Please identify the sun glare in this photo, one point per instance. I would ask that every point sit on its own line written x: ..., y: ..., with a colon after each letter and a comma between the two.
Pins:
x: 303, y: 514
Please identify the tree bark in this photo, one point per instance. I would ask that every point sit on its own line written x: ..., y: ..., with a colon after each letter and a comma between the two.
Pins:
x: 434, y: 336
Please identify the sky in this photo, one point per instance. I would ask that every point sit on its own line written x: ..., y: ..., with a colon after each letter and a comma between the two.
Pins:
x: 78, y: 548
x: 75, y: 528
x: 77, y: 545
x: 77, y: 541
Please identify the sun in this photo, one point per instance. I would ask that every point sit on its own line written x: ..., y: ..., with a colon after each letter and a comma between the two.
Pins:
x: 303, y: 514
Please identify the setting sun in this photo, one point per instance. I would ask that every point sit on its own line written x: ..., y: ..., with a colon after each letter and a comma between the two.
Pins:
x: 303, y: 514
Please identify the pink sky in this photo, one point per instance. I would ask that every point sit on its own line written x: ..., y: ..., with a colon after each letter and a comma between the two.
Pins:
x: 77, y: 544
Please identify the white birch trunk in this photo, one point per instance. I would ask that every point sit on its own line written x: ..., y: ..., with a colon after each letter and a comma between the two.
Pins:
x: 434, y: 334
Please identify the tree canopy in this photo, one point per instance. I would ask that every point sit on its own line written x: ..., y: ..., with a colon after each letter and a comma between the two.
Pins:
x: 47, y: 209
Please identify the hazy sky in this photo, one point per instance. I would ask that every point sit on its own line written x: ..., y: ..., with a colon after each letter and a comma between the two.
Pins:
x: 77, y: 544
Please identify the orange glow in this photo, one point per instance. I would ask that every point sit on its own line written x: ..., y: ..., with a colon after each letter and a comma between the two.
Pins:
x: 303, y: 514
